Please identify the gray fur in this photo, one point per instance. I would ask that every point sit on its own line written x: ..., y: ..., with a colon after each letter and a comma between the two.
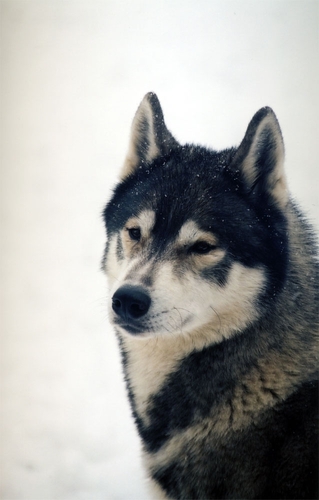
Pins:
x: 218, y: 326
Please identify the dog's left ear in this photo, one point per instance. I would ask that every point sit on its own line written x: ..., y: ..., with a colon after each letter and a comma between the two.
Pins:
x: 259, y: 159
x: 150, y: 138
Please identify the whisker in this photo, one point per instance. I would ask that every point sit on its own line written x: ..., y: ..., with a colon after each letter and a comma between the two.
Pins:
x: 181, y: 319
x: 220, y: 321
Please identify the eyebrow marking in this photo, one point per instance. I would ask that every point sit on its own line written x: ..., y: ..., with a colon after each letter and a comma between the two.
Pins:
x: 190, y: 233
x: 145, y: 220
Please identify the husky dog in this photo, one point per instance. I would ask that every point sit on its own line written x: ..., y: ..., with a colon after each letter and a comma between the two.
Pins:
x: 214, y: 300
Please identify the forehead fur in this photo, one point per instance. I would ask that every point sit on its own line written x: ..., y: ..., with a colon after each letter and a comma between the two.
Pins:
x: 145, y: 220
x: 187, y: 181
x: 194, y: 183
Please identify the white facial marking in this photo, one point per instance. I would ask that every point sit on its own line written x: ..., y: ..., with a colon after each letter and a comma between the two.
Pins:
x: 187, y: 312
x: 116, y: 269
x: 146, y: 221
x: 186, y: 316
x: 183, y: 303
x: 112, y: 267
x: 190, y: 233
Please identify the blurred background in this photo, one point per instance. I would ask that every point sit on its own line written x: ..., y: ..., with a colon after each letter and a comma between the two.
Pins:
x: 72, y: 75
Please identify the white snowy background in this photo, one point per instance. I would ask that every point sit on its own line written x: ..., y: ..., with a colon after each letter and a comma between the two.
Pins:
x: 73, y: 73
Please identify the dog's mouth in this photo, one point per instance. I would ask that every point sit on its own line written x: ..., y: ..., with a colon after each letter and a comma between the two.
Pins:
x: 133, y: 329
x: 151, y: 328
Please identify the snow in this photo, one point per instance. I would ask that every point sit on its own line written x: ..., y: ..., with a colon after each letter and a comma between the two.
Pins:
x: 73, y: 73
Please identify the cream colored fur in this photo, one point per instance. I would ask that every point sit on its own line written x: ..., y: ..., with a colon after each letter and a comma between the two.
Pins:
x: 277, y: 183
x: 143, y: 114
x: 180, y: 320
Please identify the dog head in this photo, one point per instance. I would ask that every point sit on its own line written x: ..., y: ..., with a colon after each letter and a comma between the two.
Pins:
x: 196, y: 237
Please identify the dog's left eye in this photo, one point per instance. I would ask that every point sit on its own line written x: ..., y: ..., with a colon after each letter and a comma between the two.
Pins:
x: 134, y: 233
x: 201, y: 247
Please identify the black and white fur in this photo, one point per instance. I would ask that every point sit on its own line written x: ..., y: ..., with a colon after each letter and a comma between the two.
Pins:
x: 214, y: 300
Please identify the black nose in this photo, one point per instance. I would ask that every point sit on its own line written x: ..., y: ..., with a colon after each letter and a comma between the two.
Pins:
x: 130, y: 302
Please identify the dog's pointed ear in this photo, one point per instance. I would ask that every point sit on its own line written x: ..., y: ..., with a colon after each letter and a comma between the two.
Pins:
x: 259, y: 159
x: 150, y: 138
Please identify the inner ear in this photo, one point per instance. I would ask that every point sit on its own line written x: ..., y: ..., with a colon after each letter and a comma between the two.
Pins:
x: 260, y: 159
x: 149, y: 137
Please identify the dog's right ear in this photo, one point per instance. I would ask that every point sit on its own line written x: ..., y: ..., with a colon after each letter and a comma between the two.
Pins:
x: 150, y: 138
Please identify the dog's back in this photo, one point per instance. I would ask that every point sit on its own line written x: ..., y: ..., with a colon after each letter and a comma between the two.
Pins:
x: 213, y: 279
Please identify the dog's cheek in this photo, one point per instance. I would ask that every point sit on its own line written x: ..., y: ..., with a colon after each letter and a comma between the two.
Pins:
x: 236, y: 302
x: 182, y: 290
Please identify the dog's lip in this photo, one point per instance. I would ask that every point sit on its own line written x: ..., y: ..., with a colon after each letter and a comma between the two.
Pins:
x: 130, y: 328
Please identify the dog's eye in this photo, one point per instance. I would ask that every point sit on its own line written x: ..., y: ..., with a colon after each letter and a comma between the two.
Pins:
x: 201, y: 247
x: 134, y: 233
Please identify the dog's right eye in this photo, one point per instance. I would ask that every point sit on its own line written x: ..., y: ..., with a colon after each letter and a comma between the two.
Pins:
x: 134, y: 233
x: 201, y: 247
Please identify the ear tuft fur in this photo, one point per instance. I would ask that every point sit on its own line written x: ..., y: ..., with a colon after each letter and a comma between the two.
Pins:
x: 150, y: 137
x: 260, y: 158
